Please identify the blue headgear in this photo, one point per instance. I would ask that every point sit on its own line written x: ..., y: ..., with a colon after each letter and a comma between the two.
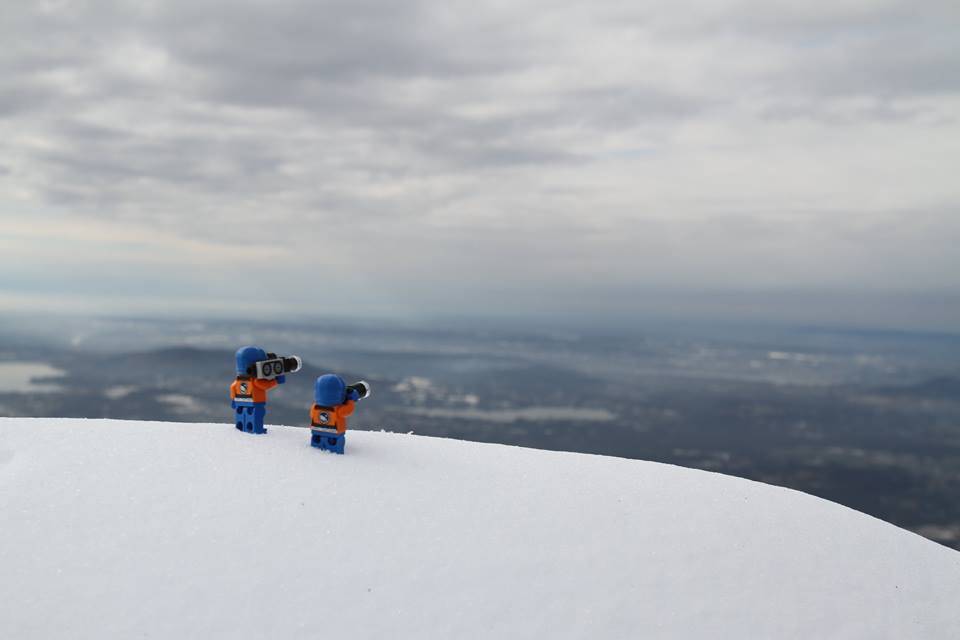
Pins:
x: 246, y: 356
x: 330, y: 390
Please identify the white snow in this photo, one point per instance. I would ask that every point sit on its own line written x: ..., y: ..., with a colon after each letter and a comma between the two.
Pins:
x: 115, y: 529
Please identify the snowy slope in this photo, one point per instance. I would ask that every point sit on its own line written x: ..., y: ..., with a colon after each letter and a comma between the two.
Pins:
x: 116, y: 529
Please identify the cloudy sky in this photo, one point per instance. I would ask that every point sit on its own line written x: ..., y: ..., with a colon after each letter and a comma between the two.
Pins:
x: 752, y: 158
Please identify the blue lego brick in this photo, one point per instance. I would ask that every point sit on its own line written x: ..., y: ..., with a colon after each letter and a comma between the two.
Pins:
x: 249, y: 417
x: 328, y: 441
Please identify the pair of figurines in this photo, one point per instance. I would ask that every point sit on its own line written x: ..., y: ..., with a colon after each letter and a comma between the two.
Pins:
x: 334, y: 400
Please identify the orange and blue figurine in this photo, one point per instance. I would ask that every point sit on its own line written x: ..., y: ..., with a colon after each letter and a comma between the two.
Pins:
x: 334, y: 402
x: 248, y: 393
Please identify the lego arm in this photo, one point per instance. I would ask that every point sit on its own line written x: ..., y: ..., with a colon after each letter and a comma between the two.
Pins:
x: 345, y: 409
x: 264, y: 384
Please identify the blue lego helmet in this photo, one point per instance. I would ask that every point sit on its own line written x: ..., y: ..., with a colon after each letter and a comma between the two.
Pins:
x: 330, y: 390
x: 246, y: 357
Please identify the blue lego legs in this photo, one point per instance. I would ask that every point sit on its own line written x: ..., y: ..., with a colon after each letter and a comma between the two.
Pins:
x: 249, y: 418
x: 328, y: 441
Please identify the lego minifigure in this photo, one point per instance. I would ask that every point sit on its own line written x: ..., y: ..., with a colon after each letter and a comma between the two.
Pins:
x: 328, y: 416
x: 257, y: 372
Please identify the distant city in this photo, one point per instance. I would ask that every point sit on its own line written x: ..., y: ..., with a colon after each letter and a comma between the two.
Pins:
x: 869, y: 419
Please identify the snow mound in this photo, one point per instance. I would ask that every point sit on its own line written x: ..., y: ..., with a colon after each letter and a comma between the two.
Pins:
x: 115, y: 529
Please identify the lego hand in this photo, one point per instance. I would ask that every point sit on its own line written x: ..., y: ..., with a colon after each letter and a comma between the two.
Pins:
x: 281, y: 379
x: 353, y: 394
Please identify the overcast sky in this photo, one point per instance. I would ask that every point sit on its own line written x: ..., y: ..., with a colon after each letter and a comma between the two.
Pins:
x: 747, y: 159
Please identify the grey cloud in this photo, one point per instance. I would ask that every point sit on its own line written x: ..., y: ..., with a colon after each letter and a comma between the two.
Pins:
x: 876, y: 110
x: 343, y: 41
x: 329, y: 61
x: 891, y: 63
x: 804, y: 24
x: 485, y: 135
x: 16, y: 98
x: 617, y: 107
x: 881, y: 49
x: 885, y: 48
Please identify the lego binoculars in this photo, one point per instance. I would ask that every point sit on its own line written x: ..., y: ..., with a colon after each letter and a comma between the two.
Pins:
x: 362, y: 388
x: 275, y: 366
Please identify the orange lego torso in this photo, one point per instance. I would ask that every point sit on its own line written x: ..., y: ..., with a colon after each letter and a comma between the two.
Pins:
x: 331, y: 418
x: 247, y: 389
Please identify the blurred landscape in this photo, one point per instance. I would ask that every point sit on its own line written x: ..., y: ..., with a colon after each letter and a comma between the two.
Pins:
x: 869, y: 419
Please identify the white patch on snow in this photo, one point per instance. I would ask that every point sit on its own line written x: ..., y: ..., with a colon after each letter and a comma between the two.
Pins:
x: 794, y: 357
x: 552, y: 414
x: 18, y: 377
x: 413, y: 384
x: 423, y: 391
x: 120, y: 391
x: 183, y: 404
